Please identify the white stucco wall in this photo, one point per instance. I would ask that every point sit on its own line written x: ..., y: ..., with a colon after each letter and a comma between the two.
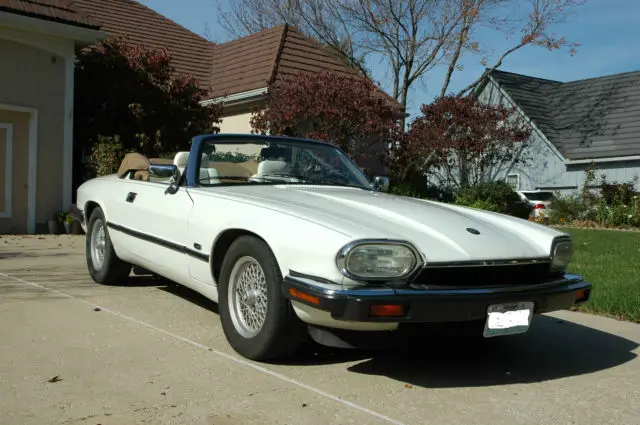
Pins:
x: 236, y: 123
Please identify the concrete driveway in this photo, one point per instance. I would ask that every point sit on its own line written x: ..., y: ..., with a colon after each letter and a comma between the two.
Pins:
x: 74, y: 352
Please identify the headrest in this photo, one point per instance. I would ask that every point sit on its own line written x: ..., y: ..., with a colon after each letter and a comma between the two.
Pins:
x: 275, y: 153
x: 181, y: 159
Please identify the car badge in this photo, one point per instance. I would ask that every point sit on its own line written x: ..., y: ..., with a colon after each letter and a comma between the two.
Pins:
x: 473, y: 231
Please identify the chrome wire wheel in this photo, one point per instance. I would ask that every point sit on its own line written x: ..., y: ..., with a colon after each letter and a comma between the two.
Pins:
x: 247, y: 296
x: 98, y: 244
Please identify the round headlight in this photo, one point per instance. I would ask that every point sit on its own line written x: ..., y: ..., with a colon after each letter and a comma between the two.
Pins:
x: 562, y: 255
x: 377, y: 261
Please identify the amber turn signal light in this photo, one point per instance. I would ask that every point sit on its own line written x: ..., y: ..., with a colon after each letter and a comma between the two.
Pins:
x: 296, y: 293
x: 386, y: 310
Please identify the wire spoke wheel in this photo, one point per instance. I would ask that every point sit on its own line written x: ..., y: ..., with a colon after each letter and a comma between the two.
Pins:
x: 98, y: 244
x: 247, y: 296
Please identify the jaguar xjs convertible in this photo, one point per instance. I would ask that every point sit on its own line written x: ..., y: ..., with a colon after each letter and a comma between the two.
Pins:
x: 293, y: 241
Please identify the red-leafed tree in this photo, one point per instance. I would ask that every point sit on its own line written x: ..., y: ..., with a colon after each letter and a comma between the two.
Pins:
x: 133, y: 92
x: 346, y: 110
x: 459, y: 142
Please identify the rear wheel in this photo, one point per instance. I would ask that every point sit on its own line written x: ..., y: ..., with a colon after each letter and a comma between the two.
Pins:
x: 257, y: 319
x: 104, y: 265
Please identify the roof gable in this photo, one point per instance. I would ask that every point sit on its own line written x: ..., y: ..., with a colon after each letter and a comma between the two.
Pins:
x: 61, y: 11
x: 191, y: 53
x: 246, y: 63
x: 593, y: 118
x: 255, y: 61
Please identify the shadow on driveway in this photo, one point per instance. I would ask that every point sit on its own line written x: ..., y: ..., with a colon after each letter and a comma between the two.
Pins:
x: 552, y: 349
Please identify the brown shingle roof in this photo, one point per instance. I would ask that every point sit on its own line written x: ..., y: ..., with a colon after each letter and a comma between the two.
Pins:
x: 252, y: 62
x: 191, y: 53
x: 246, y: 63
x: 61, y: 11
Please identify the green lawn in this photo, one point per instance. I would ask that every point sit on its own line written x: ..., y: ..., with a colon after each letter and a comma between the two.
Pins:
x: 610, y: 260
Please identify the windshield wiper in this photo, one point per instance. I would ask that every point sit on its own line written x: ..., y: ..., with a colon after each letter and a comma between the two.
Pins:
x: 310, y: 180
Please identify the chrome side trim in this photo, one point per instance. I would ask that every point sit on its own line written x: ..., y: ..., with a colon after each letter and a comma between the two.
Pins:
x: 343, y: 253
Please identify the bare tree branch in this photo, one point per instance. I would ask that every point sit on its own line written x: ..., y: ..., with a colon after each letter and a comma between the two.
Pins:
x: 413, y: 36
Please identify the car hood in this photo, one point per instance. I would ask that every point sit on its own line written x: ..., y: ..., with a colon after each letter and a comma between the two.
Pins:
x: 442, y: 232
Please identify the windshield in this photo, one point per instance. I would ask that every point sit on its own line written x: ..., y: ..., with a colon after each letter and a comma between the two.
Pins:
x: 260, y: 161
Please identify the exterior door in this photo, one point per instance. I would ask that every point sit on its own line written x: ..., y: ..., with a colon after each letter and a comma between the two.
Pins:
x: 155, y: 224
x: 14, y: 171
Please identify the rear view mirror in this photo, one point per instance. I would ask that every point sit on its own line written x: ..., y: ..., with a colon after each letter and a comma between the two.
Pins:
x: 166, y: 171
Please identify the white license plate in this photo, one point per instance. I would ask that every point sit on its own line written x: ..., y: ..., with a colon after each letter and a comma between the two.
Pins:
x: 508, y: 319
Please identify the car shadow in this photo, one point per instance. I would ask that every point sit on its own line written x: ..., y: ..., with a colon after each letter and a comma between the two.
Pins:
x: 552, y: 349
x: 190, y: 296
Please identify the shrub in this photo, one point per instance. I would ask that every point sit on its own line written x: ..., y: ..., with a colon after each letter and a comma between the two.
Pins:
x: 617, y: 204
x: 106, y: 155
x: 494, y: 196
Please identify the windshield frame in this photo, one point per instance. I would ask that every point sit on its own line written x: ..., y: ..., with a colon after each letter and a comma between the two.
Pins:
x: 199, y: 142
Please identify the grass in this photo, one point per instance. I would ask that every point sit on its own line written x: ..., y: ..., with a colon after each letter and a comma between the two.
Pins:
x: 610, y: 260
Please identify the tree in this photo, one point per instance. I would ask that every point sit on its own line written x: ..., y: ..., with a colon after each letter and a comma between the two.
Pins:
x: 348, y: 111
x: 133, y: 93
x: 414, y: 37
x: 460, y: 142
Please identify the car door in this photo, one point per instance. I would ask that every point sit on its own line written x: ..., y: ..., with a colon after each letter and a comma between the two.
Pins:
x: 156, y: 221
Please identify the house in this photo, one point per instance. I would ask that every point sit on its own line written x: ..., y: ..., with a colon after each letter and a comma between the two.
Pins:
x: 38, y: 40
x: 244, y: 68
x: 574, y: 124
x: 36, y: 91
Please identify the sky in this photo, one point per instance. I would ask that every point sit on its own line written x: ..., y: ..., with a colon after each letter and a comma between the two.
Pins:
x: 608, y: 32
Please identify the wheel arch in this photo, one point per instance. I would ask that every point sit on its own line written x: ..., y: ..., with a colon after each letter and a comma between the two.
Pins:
x: 89, y: 208
x: 222, y: 243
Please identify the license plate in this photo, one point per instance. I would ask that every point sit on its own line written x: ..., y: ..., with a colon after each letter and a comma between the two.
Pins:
x: 508, y: 319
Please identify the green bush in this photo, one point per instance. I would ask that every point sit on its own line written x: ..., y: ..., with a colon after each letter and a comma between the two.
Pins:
x: 570, y: 207
x: 616, y: 205
x: 494, y: 196
x: 106, y: 155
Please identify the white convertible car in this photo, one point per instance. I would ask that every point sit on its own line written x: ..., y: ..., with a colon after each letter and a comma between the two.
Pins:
x: 291, y: 240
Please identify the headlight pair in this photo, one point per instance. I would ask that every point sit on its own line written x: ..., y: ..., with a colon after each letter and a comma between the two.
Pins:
x: 378, y: 260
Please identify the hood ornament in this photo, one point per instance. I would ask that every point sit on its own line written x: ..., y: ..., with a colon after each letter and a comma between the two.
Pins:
x: 473, y: 231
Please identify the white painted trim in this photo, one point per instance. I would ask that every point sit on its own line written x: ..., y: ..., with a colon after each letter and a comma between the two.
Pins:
x: 67, y: 150
x: 236, y: 97
x: 517, y: 175
x: 528, y: 120
x: 83, y: 35
x: 8, y: 171
x: 601, y: 160
x: 32, y: 179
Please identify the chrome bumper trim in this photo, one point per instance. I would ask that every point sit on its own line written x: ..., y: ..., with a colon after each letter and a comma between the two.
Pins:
x: 571, y: 281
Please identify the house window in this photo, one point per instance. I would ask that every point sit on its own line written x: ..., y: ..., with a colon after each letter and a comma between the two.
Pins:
x: 513, y: 180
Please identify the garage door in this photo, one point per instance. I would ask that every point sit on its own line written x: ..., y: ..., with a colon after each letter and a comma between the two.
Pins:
x: 14, y: 156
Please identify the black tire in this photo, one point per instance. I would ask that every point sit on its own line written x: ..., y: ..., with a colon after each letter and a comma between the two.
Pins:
x: 113, y: 270
x: 282, y: 332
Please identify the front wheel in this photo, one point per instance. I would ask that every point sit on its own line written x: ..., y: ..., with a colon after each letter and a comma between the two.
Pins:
x: 258, y: 321
x: 104, y: 265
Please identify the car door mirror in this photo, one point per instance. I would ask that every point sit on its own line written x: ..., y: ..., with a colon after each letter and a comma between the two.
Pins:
x: 166, y: 171
x: 381, y: 183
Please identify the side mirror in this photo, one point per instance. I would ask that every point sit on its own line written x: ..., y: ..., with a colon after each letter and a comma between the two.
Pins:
x: 166, y: 171
x: 381, y: 183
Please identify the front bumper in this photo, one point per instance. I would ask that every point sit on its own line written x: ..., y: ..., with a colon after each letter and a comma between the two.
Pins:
x: 431, y: 305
